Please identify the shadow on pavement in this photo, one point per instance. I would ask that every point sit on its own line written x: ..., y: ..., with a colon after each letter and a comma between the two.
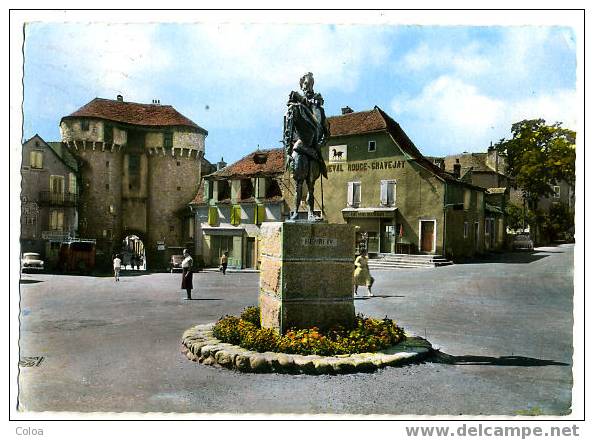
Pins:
x: 203, y: 299
x: 22, y: 281
x: 439, y: 357
x: 507, y: 258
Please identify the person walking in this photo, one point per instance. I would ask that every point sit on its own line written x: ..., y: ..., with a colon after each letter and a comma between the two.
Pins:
x: 117, y: 266
x: 187, y: 274
x: 224, y: 261
x: 361, y: 276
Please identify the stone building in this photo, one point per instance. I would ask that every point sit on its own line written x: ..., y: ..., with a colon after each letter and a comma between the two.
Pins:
x: 401, y: 201
x: 49, y: 197
x: 234, y: 201
x: 140, y: 166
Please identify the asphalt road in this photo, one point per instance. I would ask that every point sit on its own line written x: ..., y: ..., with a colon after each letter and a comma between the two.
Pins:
x: 504, y: 326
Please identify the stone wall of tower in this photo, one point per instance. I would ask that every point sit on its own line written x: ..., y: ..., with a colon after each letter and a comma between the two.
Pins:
x: 173, y: 179
x: 100, y: 197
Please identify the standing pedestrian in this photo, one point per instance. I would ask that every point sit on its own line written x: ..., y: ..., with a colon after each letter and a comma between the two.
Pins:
x: 361, y: 276
x: 117, y: 266
x: 224, y: 260
x: 187, y: 274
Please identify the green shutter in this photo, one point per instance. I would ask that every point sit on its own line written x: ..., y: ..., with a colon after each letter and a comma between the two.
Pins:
x: 260, y: 214
x: 213, y: 215
x: 235, y: 215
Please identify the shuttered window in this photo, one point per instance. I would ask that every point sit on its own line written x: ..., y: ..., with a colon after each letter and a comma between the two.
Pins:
x: 213, y: 215
x: 388, y: 192
x: 354, y: 194
x: 260, y: 214
x: 56, y: 220
x: 36, y: 159
x: 235, y: 215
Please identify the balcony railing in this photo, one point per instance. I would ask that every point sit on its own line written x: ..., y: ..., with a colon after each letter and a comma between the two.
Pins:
x: 58, y: 199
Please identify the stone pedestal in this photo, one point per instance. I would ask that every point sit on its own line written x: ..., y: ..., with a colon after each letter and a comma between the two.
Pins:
x: 306, y: 275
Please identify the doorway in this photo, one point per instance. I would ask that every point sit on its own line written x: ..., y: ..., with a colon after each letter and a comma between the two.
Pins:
x: 388, y: 237
x: 427, y: 236
x: 250, y: 256
x: 133, y: 254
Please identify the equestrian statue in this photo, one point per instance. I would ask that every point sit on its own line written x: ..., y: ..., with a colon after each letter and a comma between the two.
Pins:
x: 305, y: 132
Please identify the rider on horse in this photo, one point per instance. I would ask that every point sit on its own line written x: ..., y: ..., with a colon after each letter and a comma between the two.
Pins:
x: 305, y: 132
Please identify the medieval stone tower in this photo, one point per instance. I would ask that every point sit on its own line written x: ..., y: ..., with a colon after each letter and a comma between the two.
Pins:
x: 140, y: 167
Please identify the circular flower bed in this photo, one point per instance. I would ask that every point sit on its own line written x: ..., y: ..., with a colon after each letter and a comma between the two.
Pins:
x: 367, y: 335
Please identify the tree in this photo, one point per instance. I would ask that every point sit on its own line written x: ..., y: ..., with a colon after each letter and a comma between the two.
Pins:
x: 539, y: 156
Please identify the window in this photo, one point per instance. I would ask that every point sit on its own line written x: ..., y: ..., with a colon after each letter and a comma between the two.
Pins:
x: 487, y: 226
x: 107, y: 186
x: 556, y: 192
x: 84, y: 125
x: 208, y: 187
x: 235, y: 215
x: 106, y: 164
x: 56, y: 220
x: 354, y: 194
x: 168, y: 139
x: 388, y: 192
x: 465, y: 229
x: 56, y: 184
x: 178, y: 163
x: 36, y: 159
x: 171, y: 228
x: 371, y: 146
x: 466, y: 199
x: 72, y: 188
x: 179, y: 188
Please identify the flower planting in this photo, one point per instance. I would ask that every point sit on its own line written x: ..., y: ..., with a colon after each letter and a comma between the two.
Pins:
x: 367, y: 335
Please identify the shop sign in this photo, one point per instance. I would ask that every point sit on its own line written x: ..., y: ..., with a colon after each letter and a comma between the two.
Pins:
x: 337, y: 154
x: 364, y: 166
x: 160, y: 245
x: 363, y: 214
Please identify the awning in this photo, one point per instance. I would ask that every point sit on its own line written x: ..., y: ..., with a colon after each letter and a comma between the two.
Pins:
x: 377, y: 212
x: 222, y: 229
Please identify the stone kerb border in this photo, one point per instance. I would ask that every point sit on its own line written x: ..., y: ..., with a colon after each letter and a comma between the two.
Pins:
x: 199, y: 345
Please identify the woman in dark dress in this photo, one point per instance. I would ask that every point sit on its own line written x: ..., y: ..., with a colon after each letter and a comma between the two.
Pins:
x: 187, y: 274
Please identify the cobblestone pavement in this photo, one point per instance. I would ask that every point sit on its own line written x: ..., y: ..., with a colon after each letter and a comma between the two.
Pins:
x: 504, y: 326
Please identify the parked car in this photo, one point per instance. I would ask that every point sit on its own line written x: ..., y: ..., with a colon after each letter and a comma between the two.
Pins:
x: 176, y: 263
x: 523, y: 242
x: 31, y: 261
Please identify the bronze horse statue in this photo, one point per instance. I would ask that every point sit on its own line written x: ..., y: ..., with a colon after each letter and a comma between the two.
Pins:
x: 305, y: 132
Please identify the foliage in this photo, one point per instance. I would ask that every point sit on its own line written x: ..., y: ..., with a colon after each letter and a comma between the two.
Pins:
x: 538, y: 156
x: 367, y: 335
x: 251, y: 314
x: 558, y: 222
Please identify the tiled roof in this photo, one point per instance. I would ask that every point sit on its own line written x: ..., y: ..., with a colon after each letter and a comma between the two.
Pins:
x: 356, y: 123
x: 260, y: 163
x: 151, y: 115
x: 199, y: 197
x: 378, y: 120
x: 63, y: 153
x: 478, y: 162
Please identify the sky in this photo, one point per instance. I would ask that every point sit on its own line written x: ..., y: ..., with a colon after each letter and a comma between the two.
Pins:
x: 452, y: 89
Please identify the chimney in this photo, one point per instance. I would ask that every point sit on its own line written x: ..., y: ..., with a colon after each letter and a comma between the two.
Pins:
x: 457, y: 169
x: 346, y: 110
x: 157, y: 101
x: 222, y: 164
x: 120, y: 98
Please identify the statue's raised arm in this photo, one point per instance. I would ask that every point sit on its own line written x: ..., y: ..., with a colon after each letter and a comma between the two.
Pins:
x: 305, y: 132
